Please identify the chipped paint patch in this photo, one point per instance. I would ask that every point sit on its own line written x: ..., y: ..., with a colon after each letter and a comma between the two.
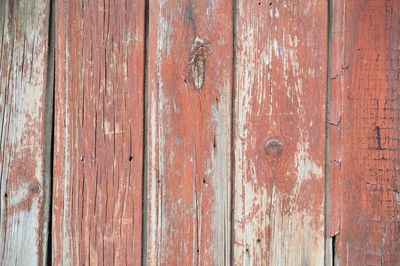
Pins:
x: 288, y: 247
x: 164, y: 33
x: 306, y: 168
x: 397, y: 195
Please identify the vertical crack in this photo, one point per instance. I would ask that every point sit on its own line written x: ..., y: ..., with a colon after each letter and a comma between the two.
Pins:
x: 377, y: 131
x: 333, y: 243
x: 49, y: 140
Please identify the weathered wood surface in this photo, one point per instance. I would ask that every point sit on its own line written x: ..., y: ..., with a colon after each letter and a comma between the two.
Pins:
x: 24, y: 145
x: 280, y: 95
x: 221, y: 109
x: 364, y: 132
x: 97, y: 203
x: 188, y: 118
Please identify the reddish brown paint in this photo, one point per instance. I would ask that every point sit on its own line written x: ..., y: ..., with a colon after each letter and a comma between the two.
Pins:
x: 278, y: 73
x: 97, y: 203
x: 24, y: 150
x: 364, y: 132
x: 280, y: 94
x: 188, y: 117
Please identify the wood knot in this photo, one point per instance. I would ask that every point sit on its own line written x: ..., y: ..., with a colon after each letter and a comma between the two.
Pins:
x: 34, y: 187
x: 274, y: 148
x: 197, y: 63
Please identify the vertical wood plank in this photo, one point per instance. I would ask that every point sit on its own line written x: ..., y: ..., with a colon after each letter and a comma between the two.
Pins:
x: 24, y: 153
x: 97, y: 202
x: 189, y: 109
x: 364, y: 132
x: 280, y: 95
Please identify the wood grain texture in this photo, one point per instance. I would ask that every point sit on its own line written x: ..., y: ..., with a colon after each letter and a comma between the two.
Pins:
x: 189, y: 109
x: 24, y: 153
x: 280, y: 93
x: 97, y: 202
x: 364, y: 132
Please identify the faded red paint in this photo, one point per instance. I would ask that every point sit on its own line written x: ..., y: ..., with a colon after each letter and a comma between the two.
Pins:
x: 280, y: 94
x: 97, y: 203
x: 24, y: 157
x: 189, y: 99
x: 364, y: 132
x: 111, y: 131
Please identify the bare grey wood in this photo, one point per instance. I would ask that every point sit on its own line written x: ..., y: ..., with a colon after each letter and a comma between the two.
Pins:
x: 24, y: 136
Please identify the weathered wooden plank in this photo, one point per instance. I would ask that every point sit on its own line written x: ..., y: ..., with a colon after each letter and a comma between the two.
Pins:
x: 189, y: 116
x: 280, y: 95
x: 24, y: 145
x: 97, y: 213
x: 364, y: 132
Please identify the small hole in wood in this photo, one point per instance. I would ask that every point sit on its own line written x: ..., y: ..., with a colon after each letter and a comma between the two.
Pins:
x: 130, y: 158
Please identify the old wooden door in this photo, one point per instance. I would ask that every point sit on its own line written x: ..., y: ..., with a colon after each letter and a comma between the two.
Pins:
x: 215, y: 132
